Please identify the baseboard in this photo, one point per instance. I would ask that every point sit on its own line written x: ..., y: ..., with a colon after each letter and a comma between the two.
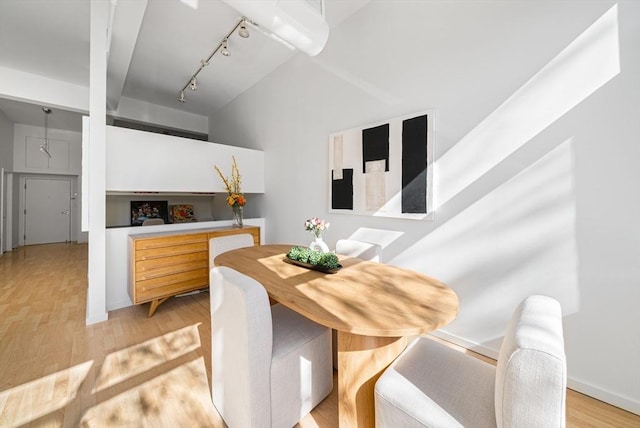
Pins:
x: 457, y: 340
x: 119, y: 305
x: 608, y: 397
x: 586, y: 388
x: 96, y: 319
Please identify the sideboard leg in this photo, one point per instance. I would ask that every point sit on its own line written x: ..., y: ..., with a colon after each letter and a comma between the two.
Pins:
x: 154, y: 305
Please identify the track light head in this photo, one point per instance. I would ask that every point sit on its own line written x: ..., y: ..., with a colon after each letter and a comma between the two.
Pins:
x: 242, y: 31
x: 182, y: 98
x: 45, y: 150
x: 225, y: 49
x: 44, y: 147
x: 194, y: 84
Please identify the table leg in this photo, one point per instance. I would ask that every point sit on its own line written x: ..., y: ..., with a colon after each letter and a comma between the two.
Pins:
x: 361, y: 360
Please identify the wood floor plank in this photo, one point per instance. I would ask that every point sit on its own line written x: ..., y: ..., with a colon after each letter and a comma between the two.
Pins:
x: 131, y: 369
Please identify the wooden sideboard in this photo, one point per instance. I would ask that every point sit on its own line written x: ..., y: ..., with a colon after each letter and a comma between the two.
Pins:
x: 165, y: 264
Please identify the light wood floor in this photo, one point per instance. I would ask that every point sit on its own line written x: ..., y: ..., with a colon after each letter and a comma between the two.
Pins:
x: 131, y: 370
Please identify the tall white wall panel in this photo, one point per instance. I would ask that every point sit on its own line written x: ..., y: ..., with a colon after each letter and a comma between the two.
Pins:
x: 143, y: 161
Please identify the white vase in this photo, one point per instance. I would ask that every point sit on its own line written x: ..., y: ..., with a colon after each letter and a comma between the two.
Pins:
x: 319, y: 245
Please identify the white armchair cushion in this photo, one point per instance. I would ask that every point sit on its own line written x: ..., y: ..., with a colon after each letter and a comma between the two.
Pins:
x: 301, y: 352
x: 431, y: 385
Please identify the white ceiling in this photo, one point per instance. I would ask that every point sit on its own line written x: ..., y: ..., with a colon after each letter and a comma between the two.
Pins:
x: 51, y: 38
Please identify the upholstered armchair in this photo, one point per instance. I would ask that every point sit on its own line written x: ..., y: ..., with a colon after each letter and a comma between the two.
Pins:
x: 270, y: 365
x: 432, y: 385
x: 359, y: 249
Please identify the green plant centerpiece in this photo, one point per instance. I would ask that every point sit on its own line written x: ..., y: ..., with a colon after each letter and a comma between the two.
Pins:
x: 316, y: 259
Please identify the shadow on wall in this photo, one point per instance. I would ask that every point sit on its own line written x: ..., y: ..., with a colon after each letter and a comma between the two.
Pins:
x: 505, y: 220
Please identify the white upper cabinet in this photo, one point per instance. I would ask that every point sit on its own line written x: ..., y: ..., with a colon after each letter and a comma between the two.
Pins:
x: 139, y: 161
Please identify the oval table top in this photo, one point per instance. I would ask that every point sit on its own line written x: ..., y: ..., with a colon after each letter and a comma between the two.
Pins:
x: 365, y: 298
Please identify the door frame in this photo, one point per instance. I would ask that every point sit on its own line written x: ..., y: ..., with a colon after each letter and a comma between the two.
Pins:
x: 73, y: 232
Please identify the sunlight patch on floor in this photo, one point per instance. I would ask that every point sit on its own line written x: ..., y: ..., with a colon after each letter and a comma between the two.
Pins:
x: 177, y: 398
x: 129, y: 362
x: 32, y: 400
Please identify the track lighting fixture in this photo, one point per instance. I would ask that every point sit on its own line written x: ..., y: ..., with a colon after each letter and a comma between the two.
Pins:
x: 44, y: 147
x: 225, y: 51
x: 242, y: 31
x: 223, y: 48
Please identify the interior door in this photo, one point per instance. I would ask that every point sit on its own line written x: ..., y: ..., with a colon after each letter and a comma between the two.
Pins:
x: 47, y: 211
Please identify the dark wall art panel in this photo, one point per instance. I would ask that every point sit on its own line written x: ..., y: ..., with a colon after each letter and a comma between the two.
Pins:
x: 342, y: 190
x: 375, y: 145
x: 414, y: 165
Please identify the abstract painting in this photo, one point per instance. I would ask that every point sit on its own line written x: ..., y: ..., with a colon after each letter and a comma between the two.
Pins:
x: 384, y: 169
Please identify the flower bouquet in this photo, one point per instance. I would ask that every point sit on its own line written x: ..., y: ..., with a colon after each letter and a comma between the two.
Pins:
x: 235, y: 198
x: 316, y: 226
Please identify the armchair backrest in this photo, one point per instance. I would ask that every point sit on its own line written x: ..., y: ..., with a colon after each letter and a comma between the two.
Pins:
x: 227, y: 243
x: 241, y: 346
x: 531, y: 375
x: 360, y: 249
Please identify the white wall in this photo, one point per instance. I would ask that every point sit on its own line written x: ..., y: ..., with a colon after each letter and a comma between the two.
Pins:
x: 6, y: 142
x: 145, y: 161
x: 536, y: 160
x: 28, y: 158
x: 6, y: 162
x: 129, y: 108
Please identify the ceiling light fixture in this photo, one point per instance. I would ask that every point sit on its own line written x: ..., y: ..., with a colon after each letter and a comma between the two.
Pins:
x: 223, y: 48
x: 243, y: 32
x: 44, y: 147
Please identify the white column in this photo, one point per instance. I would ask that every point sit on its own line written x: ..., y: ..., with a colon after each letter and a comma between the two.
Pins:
x: 96, y: 292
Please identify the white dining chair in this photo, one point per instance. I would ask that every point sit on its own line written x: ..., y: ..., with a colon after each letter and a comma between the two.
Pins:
x: 152, y: 221
x: 226, y: 243
x: 359, y: 249
x: 433, y: 385
x: 270, y: 365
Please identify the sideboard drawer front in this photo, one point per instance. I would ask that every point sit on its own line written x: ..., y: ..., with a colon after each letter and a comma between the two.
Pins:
x: 153, y: 268
x: 156, y: 253
x: 169, y: 241
x: 171, y: 284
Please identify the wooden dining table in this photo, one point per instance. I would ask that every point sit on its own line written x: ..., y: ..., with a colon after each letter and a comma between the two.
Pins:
x: 373, y: 307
